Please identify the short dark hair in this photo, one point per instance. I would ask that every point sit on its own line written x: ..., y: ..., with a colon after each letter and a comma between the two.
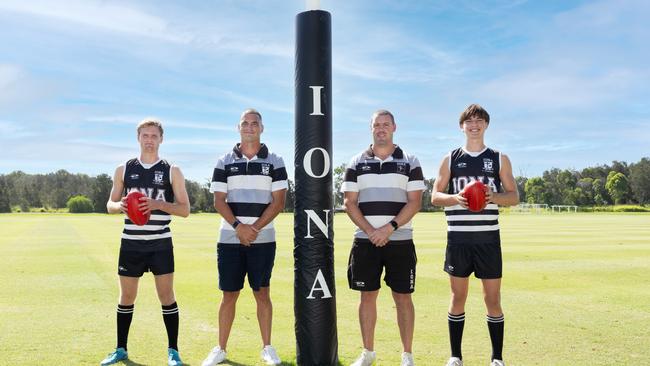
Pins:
x: 251, y: 111
x: 382, y: 112
x: 474, y: 110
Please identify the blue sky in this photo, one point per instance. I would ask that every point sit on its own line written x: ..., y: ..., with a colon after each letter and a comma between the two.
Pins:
x: 566, y: 82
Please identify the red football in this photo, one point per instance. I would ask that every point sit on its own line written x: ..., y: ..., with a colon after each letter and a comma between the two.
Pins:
x: 133, y: 211
x: 475, y: 195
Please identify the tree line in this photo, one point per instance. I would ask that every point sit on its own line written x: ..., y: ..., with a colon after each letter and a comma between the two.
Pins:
x: 618, y: 183
x: 24, y: 192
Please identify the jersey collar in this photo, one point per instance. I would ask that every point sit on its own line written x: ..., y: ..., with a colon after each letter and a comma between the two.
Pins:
x: 263, y: 152
x: 397, y: 153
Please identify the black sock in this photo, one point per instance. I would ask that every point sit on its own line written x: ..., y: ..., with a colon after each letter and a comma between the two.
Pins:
x: 170, y: 317
x: 456, y: 325
x: 124, y: 317
x: 495, y: 326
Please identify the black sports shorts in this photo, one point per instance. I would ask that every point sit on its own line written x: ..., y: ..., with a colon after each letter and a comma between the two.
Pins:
x: 484, y: 259
x: 134, y: 263
x: 367, y: 261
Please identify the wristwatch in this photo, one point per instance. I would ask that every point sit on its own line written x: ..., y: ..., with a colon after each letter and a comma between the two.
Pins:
x: 236, y: 223
x: 393, y: 223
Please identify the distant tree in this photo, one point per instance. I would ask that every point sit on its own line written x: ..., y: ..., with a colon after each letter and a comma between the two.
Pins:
x: 58, y: 188
x: 601, y: 196
x: 640, y: 181
x: 536, y: 190
x: 521, y: 188
x: 339, y: 176
x: 100, y: 192
x: 618, y: 187
x: 23, y: 191
x: 597, y: 172
x: 80, y: 204
x: 553, y: 189
x: 426, y: 195
x: 201, y: 200
x: 194, y: 195
x: 586, y: 186
x: 207, y: 203
x: 4, y: 195
x: 290, y: 200
x: 620, y: 167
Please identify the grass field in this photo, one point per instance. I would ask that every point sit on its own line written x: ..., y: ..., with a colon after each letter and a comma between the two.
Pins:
x: 575, y: 292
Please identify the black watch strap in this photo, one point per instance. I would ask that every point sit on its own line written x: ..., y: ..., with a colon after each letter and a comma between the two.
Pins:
x: 393, y: 223
x: 236, y: 223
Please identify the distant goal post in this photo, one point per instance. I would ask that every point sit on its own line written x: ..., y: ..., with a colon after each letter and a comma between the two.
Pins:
x: 567, y: 208
x: 530, y: 208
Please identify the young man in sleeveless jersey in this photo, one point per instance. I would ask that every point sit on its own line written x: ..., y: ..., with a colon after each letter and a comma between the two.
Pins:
x: 249, y: 185
x: 148, y: 247
x: 383, y: 188
x: 473, y: 240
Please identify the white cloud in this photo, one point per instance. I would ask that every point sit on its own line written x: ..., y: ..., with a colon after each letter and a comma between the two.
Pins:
x: 554, y: 88
x: 108, y: 16
x: 134, y: 120
x: 19, y: 87
x: 10, y: 129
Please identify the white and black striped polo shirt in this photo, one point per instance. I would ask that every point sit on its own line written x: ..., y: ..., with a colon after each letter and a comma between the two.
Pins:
x: 248, y: 184
x: 466, y: 167
x: 383, y: 187
x: 154, y: 181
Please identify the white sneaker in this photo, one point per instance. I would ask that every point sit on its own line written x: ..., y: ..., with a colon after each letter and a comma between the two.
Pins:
x: 407, y: 359
x: 269, y: 355
x: 454, y: 361
x: 497, y: 363
x: 216, y: 356
x: 366, y: 359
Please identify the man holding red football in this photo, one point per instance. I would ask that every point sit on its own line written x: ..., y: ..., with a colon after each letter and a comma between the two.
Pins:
x: 473, y: 240
x: 148, y: 247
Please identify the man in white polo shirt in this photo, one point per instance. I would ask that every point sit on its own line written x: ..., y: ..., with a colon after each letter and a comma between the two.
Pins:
x: 249, y: 185
x: 383, y: 188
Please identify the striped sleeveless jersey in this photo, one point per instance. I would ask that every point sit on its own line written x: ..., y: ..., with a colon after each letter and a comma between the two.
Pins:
x: 465, y: 226
x: 154, y: 181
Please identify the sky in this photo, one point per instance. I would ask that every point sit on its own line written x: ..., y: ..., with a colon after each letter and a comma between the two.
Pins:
x: 566, y: 83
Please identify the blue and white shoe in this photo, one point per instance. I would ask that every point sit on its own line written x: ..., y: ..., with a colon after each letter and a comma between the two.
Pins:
x: 115, y: 357
x: 173, y: 358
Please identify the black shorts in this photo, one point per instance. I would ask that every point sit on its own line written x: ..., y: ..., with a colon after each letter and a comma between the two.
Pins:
x: 483, y: 259
x: 367, y: 261
x: 134, y: 263
x: 235, y: 261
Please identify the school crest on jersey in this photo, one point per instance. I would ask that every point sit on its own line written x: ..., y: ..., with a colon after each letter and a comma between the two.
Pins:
x: 488, y: 166
x: 266, y: 169
x: 401, y: 168
x: 158, y: 177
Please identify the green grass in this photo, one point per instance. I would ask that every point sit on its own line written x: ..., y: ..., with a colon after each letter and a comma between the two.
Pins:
x: 575, y: 292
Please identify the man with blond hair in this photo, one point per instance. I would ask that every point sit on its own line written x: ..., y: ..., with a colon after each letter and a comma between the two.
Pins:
x: 148, y: 247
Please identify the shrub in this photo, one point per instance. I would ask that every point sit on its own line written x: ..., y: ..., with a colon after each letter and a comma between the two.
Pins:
x: 80, y: 204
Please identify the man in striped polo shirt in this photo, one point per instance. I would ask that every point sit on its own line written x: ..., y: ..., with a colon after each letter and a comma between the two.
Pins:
x: 249, y: 185
x: 473, y: 240
x: 148, y: 247
x: 383, y: 188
